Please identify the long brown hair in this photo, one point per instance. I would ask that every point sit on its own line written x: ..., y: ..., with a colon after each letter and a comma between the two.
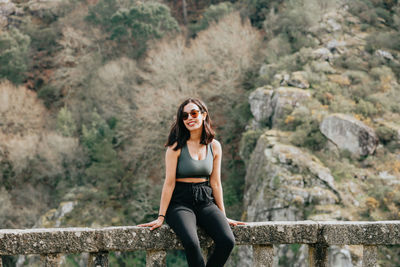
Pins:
x: 180, y: 134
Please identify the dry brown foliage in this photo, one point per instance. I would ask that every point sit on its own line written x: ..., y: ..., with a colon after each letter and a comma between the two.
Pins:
x: 23, y: 136
x: 34, y: 153
x: 20, y: 109
x: 210, y: 67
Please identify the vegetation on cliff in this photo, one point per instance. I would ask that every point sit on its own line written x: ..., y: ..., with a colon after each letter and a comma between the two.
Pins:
x: 89, y: 91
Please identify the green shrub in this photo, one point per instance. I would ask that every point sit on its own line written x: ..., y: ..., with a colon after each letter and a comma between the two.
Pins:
x: 45, y: 39
x: 396, y: 18
x: 385, y: 15
x: 212, y: 14
x: 101, y: 13
x: 357, y: 76
x: 378, y: 72
x: 341, y: 104
x: 250, y: 79
x: 258, y: 10
x: 364, y: 10
x: 385, y: 134
x: 133, y: 26
x: 134, y: 258
x: 248, y: 143
x: 142, y: 22
x: 293, y: 25
x: 49, y: 95
x: 383, y: 40
x: 14, y: 48
x: 352, y: 62
x: 369, y: 11
x: 65, y: 123
x: 105, y: 168
x: 367, y: 109
x: 308, y: 135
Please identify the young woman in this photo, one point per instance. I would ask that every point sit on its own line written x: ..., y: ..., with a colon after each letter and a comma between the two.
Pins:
x: 192, y: 191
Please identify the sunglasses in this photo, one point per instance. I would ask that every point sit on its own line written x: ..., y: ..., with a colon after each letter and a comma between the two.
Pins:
x: 194, y: 113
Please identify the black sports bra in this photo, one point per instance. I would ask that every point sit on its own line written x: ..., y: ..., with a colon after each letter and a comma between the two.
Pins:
x: 188, y: 167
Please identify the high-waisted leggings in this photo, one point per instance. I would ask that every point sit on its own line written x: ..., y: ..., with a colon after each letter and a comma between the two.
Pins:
x: 193, y: 204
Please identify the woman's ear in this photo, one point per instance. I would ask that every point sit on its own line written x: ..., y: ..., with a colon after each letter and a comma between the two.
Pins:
x: 204, y: 115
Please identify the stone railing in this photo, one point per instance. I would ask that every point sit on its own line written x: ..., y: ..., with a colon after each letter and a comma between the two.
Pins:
x: 52, y: 243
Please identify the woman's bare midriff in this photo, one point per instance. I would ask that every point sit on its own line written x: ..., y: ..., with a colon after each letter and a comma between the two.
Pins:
x: 191, y: 180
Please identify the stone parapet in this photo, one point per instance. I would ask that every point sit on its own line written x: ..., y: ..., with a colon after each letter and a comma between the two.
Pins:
x: 52, y: 242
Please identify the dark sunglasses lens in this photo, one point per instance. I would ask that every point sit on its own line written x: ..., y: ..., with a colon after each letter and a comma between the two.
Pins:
x: 194, y: 113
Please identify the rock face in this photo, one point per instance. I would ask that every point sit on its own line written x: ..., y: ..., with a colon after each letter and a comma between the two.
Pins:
x: 285, y: 183
x: 349, y: 133
x: 6, y: 8
x: 268, y: 106
x: 261, y: 103
x: 281, y: 180
x: 285, y: 99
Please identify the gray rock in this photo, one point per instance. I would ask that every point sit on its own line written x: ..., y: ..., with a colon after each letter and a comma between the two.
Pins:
x: 336, y: 46
x: 6, y: 9
x: 265, y: 69
x: 384, y: 54
x: 280, y: 178
x: 349, y: 133
x: 285, y: 99
x: 322, y: 53
x: 297, y: 79
x: 260, y: 104
x: 339, y: 257
x: 333, y: 25
x: 324, y: 66
x: 268, y: 106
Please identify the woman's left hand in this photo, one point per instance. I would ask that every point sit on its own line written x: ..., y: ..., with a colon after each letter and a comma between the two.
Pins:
x: 234, y: 223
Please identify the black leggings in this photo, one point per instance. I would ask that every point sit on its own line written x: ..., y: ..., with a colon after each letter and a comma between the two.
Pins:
x: 193, y: 204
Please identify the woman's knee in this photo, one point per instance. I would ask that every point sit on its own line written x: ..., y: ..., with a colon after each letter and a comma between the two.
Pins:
x: 227, y: 240
x: 191, y: 244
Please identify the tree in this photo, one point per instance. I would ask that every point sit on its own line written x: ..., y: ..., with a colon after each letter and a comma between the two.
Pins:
x: 14, y: 48
x: 135, y: 25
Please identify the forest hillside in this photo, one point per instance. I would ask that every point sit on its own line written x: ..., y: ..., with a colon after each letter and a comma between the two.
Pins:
x: 304, y: 97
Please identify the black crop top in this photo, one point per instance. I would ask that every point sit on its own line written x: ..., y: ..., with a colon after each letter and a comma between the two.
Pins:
x: 188, y: 167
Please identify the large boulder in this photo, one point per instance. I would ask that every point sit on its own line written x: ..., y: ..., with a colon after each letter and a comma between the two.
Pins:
x: 269, y: 106
x: 283, y: 180
x: 6, y: 9
x: 348, y: 133
x: 261, y: 103
x: 286, y: 183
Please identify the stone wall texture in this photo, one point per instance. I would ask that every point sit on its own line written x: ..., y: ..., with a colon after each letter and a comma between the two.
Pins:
x: 129, y: 238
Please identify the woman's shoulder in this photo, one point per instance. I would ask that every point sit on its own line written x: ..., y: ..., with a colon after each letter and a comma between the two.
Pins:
x: 216, y: 146
x: 171, y: 150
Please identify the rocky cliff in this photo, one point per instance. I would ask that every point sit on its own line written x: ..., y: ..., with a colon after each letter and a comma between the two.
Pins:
x: 289, y: 179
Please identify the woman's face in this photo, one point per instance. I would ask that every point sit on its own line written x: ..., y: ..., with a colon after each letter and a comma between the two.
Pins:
x: 192, y: 123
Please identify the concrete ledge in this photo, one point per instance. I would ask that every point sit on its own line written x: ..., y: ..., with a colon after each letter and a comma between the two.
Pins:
x: 129, y: 238
x: 361, y: 233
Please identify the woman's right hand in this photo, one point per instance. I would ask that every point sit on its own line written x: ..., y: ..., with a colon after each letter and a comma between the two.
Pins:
x: 154, y: 224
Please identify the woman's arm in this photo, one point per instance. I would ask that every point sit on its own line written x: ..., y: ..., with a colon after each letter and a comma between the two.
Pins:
x: 171, y: 159
x: 215, y: 178
x: 215, y: 181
